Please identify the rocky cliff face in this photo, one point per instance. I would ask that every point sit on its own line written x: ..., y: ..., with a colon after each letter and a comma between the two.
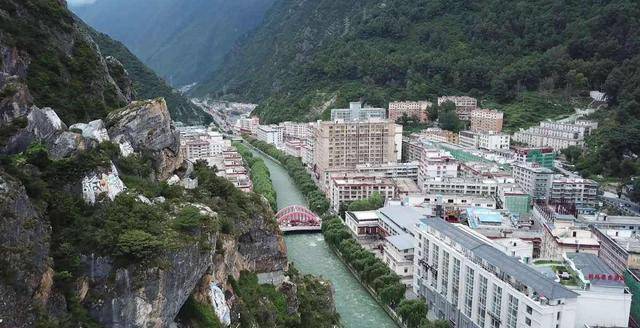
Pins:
x: 26, y: 276
x: 142, y: 296
x: 147, y: 127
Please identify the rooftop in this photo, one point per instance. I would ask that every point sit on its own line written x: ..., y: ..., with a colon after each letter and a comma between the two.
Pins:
x: 403, y: 217
x: 504, y: 263
x: 595, y: 270
x: 402, y: 241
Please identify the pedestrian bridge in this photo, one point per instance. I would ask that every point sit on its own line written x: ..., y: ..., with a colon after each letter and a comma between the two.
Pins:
x: 297, y: 218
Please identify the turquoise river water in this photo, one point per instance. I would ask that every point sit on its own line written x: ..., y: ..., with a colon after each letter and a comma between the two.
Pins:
x: 310, y: 254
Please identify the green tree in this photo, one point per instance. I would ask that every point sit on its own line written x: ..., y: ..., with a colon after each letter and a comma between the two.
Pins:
x: 449, y: 121
x: 572, y: 153
x: 138, y: 244
x: 412, y: 312
x: 374, y: 202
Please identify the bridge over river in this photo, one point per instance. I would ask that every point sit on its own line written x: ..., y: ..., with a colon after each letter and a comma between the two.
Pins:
x: 297, y: 218
x: 311, y: 254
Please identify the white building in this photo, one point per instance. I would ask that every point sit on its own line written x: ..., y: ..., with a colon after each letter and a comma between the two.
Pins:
x: 556, y: 135
x: 484, y: 140
x: 198, y: 142
x: 271, y: 134
x: 604, y: 300
x: 390, y: 170
x: 460, y: 186
x: 356, y: 112
x: 247, y: 125
x: 435, y: 163
x: 398, y: 256
x: 470, y: 283
x: 296, y: 130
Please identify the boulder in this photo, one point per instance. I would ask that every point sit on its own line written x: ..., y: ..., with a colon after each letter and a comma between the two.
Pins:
x: 93, y: 130
x: 67, y: 143
x: 44, y: 123
x: 147, y: 127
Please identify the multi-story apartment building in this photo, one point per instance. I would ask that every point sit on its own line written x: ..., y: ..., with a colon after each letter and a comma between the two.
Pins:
x: 271, y: 134
x: 486, y: 120
x: 416, y: 109
x: 464, y: 105
x: 345, y: 145
x: 197, y: 142
x: 296, y: 130
x: 484, y: 140
x: 436, y: 163
x: 470, y: 283
x: 555, y: 135
x: 440, y: 135
x: 583, y: 193
x: 460, y: 186
x: 247, y: 125
x: 356, y: 112
x: 533, y: 179
x: 543, y: 156
x: 347, y: 190
x: 390, y: 170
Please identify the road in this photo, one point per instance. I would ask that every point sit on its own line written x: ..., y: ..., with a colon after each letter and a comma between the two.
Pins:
x: 624, y: 205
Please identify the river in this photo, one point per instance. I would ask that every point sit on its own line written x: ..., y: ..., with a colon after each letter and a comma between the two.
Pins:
x: 310, y: 254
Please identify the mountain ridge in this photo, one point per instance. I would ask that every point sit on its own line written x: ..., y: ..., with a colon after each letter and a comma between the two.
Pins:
x: 164, y: 34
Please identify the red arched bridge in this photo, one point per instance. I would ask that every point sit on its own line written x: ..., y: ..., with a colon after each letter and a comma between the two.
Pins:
x: 297, y: 218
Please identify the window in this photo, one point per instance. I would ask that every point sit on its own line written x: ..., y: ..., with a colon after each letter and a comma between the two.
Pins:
x: 527, y: 321
x: 468, y: 298
x: 512, y: 314
x: 455, y: 282
x: 482, y: 301
x: 496, y: 304
x: 529, y: 310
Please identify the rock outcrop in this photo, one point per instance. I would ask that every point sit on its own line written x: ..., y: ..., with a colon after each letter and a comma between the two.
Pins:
x: 120, y: 76
x: 147, y: 127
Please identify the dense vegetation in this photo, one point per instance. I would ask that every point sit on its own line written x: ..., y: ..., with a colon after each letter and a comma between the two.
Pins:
x: 260, y: 176
x: 262, y: 305
x: 367, y: 204
x: 315, y: 198
x: 65, y: 72
x: 184, y: 41
x: 198, y: 315
x: 147, y: 85
x: 306, y: 52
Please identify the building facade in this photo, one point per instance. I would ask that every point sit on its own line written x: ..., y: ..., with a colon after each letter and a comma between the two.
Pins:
x: 533, y: 179
x: 486, y: 120
x: 484, y: 140
x: 345, y: 145
x: 271, y: 134
x: 464, y: 105
x: 470, y: 283
x: 356, y: 112
x: 344, y: 191
x: 415, y: 109
x: 460, y: 186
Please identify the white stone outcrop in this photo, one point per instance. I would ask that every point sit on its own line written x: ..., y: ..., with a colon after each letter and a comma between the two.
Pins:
x: 219, y: 304
x: 93, y: 130
x: 96, y: 184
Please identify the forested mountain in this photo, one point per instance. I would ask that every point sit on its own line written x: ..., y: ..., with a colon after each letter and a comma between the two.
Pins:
x: 146, y: 84
x: 412, y: 49
x: 182, y: 40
